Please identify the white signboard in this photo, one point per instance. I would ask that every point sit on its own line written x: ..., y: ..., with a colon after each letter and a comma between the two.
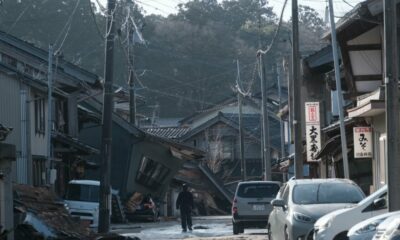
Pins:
x: 313, y: 130
x: 362, y: 142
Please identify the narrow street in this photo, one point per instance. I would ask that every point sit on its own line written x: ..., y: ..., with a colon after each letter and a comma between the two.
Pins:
x: 209, y: 228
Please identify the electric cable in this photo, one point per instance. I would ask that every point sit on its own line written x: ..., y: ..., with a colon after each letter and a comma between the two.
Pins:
x: 18, y: 18
x: 66, y: 27
x: 269, y: 47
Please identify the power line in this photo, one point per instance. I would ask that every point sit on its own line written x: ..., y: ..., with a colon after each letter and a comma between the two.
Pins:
x: 269, y: 47
x: 95, y: 22
x: 18, y: 18
x: 152, y: 6
x: 165, y: 5
x: 180, y: 96
x: 211, y: 77
x: 67, y: 26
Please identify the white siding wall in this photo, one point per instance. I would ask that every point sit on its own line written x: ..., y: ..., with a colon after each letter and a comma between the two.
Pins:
x: 38, y: 141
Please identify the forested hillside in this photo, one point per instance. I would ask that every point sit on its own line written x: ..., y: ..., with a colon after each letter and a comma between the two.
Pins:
x: 188, y: 62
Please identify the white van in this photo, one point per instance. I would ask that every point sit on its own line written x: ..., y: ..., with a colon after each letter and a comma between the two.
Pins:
x: 82, y: 199
x: 335, y: 225
x: 251, y: 204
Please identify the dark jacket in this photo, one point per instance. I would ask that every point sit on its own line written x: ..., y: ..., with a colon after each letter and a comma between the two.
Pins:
x: 185, y: 200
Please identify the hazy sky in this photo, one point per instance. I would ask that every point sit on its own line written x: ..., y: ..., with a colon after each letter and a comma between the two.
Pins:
x: 165, y: 7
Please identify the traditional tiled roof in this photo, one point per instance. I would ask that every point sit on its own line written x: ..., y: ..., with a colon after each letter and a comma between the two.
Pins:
x: 44, y: 205
x: 168, y: 132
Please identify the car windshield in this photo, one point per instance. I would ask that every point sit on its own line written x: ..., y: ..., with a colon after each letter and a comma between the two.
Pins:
x: 268, y: 190
x: 326, y: 193
x: 81, y: 192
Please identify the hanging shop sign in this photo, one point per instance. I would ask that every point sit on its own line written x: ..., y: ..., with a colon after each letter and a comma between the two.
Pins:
x: 362, y: 142
x: 313, y: 130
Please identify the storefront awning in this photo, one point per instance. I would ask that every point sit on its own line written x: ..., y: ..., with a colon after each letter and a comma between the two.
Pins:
x: 329, y: 147
x: 371, y: 108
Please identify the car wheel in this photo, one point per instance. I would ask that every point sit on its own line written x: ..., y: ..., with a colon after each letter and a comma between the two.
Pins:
x: 269, y: 232
x: 341, y: 236
x: 286, y: 233
x: 236, y: 229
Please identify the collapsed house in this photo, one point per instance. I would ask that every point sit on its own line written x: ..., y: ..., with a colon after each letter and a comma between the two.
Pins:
x: 41, y: 214
x: 141, y: 162
x: 215, y: 131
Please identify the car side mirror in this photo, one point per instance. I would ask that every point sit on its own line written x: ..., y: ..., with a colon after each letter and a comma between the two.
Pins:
x: 380, y: 203
x: 278, y: 203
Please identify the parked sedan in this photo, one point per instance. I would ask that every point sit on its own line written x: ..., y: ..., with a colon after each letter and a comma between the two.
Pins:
x: 302, y: 202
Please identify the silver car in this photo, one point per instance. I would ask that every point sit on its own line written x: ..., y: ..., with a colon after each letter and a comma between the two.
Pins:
x: 251, y: 205
x: 301, y: 202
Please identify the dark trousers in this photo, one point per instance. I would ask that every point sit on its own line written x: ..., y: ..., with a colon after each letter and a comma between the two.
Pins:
x: 186, y: 218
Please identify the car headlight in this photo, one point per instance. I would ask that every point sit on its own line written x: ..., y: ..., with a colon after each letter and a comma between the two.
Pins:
x: 324, y: 223
x: 66, y: 206
x: 302, y: 217
x: 369, y: 227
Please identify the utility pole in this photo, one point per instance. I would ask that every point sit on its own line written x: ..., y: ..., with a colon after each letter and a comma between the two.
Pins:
x: 282, y: 129
x: 262, y: 133
x: 105, y: 188
x: 298, y: 142
x: 49, y: 111
x: 265, y: 123
x: 132, y: 98
x: 241, y: 136
x: 392, y: 104
x: 339, y: 91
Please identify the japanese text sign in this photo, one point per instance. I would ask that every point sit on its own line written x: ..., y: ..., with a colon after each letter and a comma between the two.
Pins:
x: 362, y: 142
x: 313, y: 130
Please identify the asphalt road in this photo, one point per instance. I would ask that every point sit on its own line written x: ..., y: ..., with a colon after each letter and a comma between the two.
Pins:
x: 210, y: 228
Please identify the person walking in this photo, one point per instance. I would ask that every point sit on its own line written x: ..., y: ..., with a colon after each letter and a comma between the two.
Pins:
x: 185, y: 204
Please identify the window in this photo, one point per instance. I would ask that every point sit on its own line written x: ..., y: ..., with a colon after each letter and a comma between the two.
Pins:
x: 258, y: 190
x: 82, y: 192
x: 151, y: 173
x: 326, y: 193
x: 227, y: 148
x: 9, y: 60
x: 38, y: 170
x: 40, y: 117
x: 58, y: 119
x: 285, y: 195
x: 381, y: 204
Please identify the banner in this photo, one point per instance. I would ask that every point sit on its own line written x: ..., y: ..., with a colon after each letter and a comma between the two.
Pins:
x: 362, y: 142
x: 313, y: 130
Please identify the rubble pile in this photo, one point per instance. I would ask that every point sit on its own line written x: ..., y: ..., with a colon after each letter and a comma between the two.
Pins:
x: 40, y: 214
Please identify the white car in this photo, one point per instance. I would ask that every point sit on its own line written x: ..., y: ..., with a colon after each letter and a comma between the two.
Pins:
x: 367, y: 228
x: 392, y: 229
x: 334, y: 225
x: 385, y: 225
